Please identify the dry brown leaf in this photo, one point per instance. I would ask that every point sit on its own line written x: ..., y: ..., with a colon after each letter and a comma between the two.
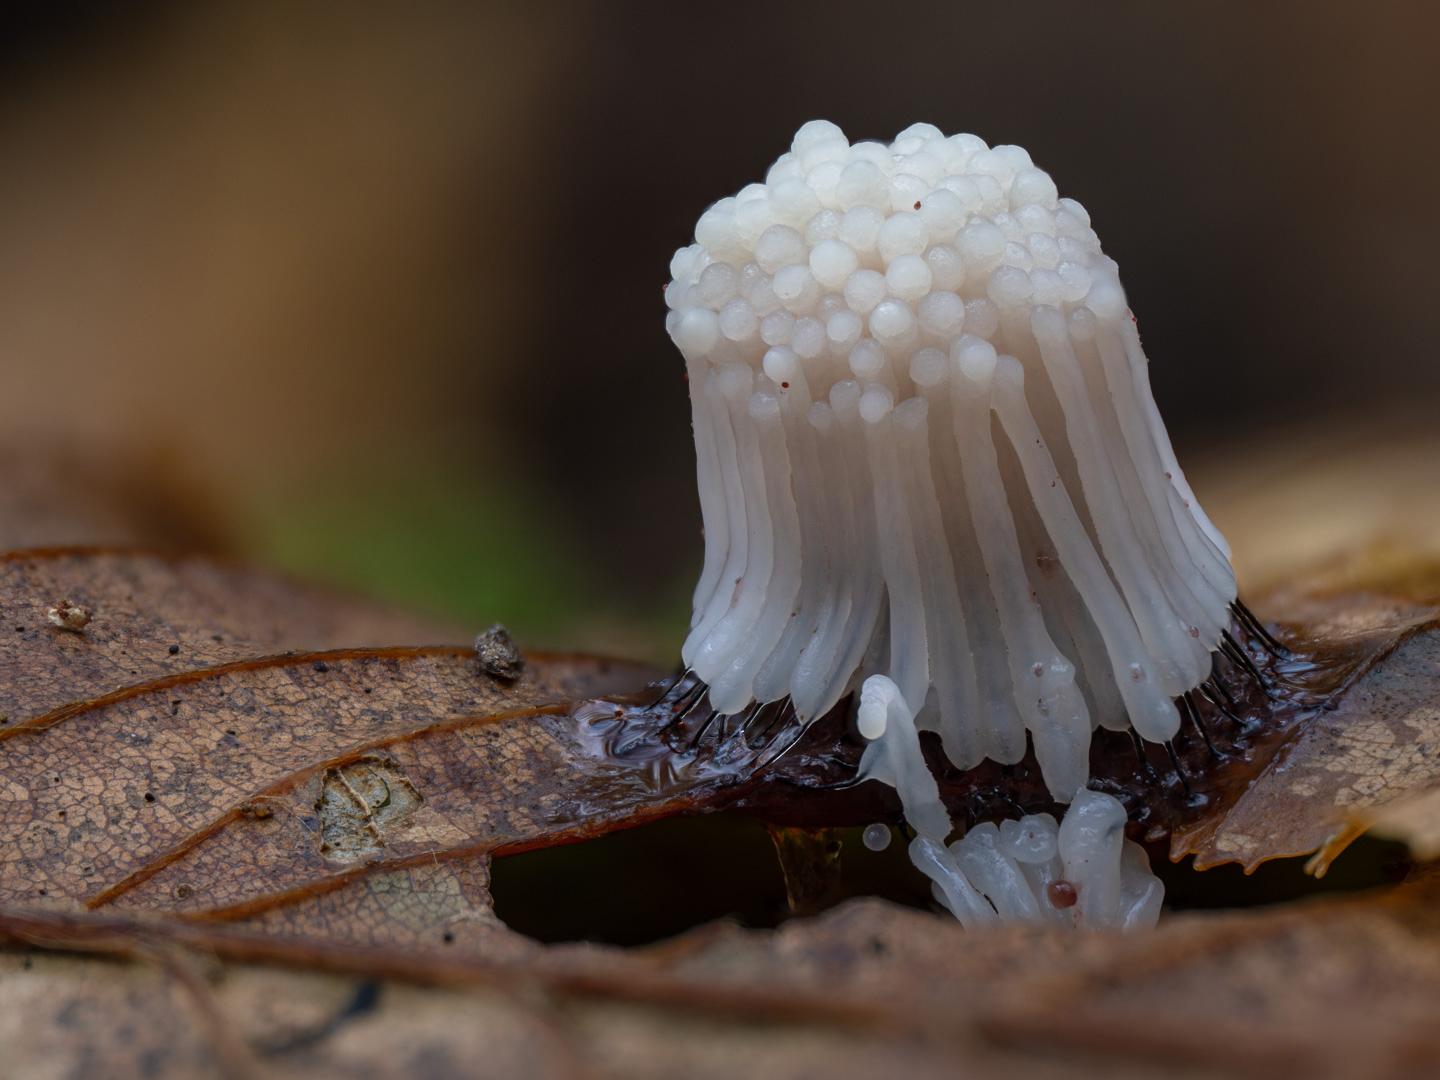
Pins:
x: 144, y: 605
x: 1369, y: 754
x: 356, y: 793
x: 1377, y: 743
x: 270, y: 755
x: 1335, y: 527
x: 294, y: 788
x: 299, y: 820
x: 1320, y: 757
x: 296, y: 819
x: 1332, y: 989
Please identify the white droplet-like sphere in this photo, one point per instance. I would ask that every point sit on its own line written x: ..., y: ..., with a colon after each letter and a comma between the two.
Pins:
x: 876, y: 837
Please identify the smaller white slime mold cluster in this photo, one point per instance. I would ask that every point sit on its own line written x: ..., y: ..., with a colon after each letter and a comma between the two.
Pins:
x: 1082, y: 873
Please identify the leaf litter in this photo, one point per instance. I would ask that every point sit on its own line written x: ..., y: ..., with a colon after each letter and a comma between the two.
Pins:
x: 284, y: 832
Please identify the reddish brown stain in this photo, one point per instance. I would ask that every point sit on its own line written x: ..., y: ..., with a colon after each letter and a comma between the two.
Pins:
x: 1061, y: 894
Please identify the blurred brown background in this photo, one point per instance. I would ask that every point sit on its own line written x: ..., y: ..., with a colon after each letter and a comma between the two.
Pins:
x: 378, y: 285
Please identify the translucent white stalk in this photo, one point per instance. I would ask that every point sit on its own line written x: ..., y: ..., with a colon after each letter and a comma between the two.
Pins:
x: 727, y: 637
x: 996, y: 874
x: 1146, y: 397
x: 1066, y: 617
x: 817, y: 654
x: 960, y: 897
x: 1150, y: 708
x: 1033, y: 843
x: 732, y: 570
x: 1090, y: 842
x: 1048, y: 701
x: 733, y: 689
x: 952, y: 669
x: 992, y: 726
x: 909, y: 647
x: 869, y: 585
x: 711, y: 483
x: 1180, y: 659
x: 1189, y: 553
x: 810, y: 490
x: 1205, y: 545
x: 1135, y: 466
x: 965, y: 726
x: 894, y: 756
x: 1141, y: 892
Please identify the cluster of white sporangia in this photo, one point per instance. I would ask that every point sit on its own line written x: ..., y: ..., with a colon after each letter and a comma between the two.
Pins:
x: 1081, y: 874
x: 928, y: 449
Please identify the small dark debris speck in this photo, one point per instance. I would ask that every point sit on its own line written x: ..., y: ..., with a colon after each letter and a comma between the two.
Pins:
x: 320, y: 665
x: 498, y: 653
x: 19, y: 629
x: 174, y: 649
x: 149, y: 797
x: 229, y: 731
x: 449, y: 937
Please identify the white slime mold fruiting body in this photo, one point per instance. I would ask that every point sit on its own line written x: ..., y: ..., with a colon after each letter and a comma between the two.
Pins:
x: 925, y: 436
x: 1005, y: 874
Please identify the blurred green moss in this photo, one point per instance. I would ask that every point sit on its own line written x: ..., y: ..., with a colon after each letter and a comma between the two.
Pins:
x: 471, y: 552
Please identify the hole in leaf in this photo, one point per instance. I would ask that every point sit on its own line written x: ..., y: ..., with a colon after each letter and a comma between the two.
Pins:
x: 643, y: 885
x: 649, y: 883
x: 1368, y: 863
